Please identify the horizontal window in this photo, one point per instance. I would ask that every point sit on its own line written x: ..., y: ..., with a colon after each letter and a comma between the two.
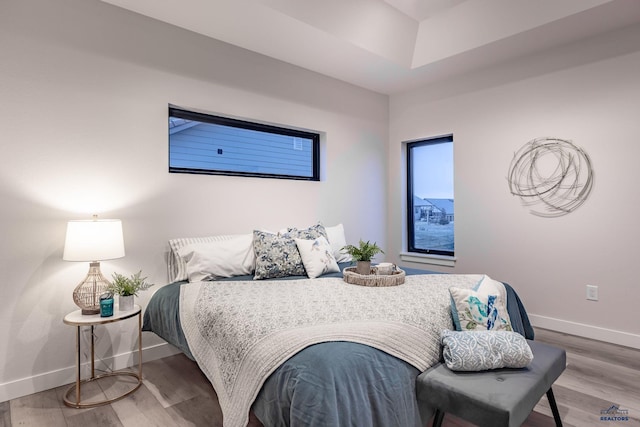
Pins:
x: 208, y: 144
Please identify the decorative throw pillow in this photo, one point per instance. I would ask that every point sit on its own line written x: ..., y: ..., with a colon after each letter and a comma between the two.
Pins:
x: 483, y: 350
x: 317, y: 256
x: 276, y: 256
x: 337, y: 240
x: 481, y: 309
x: 217, y: 259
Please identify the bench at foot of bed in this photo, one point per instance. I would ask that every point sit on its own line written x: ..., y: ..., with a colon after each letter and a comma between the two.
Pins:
x: 496, y: 398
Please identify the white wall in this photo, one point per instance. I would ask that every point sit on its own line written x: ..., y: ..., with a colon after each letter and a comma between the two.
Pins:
x: 589, y: 93
x: 84, y: 88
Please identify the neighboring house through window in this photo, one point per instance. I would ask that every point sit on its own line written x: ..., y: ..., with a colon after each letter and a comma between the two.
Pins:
x: 430, y: 207
x: 208, y: 144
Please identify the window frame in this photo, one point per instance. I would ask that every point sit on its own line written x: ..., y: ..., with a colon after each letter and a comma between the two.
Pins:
x: 411, y: 247
x: 249, y: 125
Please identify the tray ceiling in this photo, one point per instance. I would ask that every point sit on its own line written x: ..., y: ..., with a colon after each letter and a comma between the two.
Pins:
x: 391, y: 46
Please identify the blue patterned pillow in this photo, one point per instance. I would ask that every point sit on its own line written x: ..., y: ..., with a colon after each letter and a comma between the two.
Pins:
x: 277, y: 255
x: 484, y: 350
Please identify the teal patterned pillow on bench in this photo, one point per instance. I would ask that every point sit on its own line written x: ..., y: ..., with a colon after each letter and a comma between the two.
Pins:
x: 482, y: 308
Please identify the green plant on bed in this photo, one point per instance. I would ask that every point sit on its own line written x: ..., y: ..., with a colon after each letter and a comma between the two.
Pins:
x: 362, y: 255
x: 365, y: 251
x: 127, y: 286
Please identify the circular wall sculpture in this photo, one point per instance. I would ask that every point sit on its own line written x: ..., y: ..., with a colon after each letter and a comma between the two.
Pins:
x: 551, y: 175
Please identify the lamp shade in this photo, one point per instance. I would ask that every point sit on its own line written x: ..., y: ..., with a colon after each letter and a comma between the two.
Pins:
x: 93, y: 240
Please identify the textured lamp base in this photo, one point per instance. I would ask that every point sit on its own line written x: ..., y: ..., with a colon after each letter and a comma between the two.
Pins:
x: 87, y: 294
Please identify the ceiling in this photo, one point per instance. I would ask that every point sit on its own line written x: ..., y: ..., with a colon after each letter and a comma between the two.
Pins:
x: 391, y: 46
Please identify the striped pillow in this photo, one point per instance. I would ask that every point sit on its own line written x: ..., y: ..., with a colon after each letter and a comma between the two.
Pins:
x: 176, y: 265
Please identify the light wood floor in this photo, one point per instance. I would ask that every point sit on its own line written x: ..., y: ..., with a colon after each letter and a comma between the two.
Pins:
x: 176, y: 393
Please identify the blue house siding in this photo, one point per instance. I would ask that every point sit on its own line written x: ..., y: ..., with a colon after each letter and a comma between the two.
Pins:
x: 216, y: 147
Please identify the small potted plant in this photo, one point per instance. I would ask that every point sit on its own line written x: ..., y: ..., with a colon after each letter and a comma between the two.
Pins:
x: 127, y: 287
x: 362, y: 254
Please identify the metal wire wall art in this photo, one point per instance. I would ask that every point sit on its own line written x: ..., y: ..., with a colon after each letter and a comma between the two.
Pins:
x: 551, y: 175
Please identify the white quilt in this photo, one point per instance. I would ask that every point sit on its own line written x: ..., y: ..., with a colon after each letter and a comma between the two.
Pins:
x: 240, y: 332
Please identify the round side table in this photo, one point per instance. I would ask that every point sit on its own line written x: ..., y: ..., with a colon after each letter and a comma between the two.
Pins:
x: 77, y: 319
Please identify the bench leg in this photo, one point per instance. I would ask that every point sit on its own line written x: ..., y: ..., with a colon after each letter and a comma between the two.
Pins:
x: 437, y: 418
x: 554, y: 407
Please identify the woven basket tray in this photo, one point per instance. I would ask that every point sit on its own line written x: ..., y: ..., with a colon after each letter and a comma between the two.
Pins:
x: 376, y: 280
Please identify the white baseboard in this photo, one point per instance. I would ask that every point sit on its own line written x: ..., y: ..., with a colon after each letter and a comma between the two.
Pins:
x: 57, y: 378
x: 586, y: 331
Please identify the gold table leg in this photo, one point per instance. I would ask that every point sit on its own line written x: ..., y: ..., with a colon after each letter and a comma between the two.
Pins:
x: 79, y: 381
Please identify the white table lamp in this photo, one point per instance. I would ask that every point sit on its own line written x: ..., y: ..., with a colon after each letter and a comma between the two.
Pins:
x: 92, y: 240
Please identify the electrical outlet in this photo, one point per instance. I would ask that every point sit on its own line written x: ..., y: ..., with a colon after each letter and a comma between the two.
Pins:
x: 592, y: 293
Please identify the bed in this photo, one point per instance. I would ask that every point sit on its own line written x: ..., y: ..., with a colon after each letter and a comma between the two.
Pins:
x: 311, y: 352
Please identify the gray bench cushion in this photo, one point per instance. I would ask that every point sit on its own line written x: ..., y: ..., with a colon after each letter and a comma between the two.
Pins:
x: 501, y: 397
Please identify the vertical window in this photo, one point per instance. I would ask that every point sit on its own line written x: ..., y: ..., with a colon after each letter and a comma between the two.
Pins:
x: 207, y: 144
x: 430, y: 207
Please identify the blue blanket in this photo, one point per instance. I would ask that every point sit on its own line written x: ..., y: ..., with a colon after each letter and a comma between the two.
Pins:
x: 315, y: 388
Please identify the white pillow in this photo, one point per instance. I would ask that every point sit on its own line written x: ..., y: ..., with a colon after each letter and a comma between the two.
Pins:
x: 218, y: 259
x: 176, y: 265
x: 337, y: 240
x: 317, y: 256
